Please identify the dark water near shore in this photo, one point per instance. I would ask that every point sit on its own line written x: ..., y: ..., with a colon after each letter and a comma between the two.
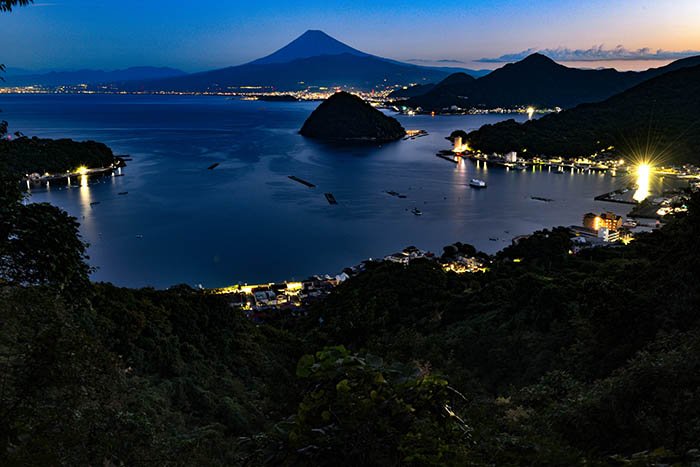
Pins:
x: 246, y: 221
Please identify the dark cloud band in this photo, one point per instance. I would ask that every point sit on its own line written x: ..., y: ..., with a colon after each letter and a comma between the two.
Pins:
x: 595, y: 54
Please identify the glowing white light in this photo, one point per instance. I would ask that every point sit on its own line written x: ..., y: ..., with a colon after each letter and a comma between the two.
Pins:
x: 643, y: 182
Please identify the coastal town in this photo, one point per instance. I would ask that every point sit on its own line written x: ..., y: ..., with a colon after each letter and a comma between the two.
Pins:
x: 597, y: 230
x: 259, y: 300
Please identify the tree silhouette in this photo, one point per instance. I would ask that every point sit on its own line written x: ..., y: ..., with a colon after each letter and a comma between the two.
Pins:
x: 6, y: 5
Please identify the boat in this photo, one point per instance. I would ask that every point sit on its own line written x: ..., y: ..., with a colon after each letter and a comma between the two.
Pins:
x: 476, y: 183
x: 417, y: 212
x: 630, y: 224
x: 94, y: 203
x: 123, y: 193
x: 213, y: 166
x: 520, y: 167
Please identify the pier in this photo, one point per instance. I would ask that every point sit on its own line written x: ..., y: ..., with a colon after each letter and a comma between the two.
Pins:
x: 524, y: 164
x: 452, y: 159
x: 617, y: 196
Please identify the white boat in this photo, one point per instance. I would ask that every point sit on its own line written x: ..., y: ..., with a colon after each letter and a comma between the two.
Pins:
x: 476, y: 183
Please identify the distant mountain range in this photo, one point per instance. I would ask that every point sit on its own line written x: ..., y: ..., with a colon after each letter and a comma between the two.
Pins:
x: 658, y: 119
x: 17, y: 77
x: 535, y: 80
x: 313, y: 59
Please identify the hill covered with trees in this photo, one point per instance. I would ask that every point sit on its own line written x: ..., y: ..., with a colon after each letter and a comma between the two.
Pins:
x: 27, y: 155
x: 346, y: 117
x: 555, y: 359
x: 659, y: 115
x: 536, y: 81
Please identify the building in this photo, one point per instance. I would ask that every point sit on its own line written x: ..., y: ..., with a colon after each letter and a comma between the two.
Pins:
x: 608, y: 236
x: 512, y: 157
x: 610, y: 221
x: 591, y: 221
x: 607, y: 220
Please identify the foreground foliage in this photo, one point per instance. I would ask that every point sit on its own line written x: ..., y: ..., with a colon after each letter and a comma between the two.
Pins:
x: 554, y: 359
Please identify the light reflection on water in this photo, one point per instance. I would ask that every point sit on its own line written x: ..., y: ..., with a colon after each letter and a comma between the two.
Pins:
x: 643, y: 183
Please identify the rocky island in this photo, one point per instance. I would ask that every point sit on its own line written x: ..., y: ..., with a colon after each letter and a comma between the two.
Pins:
x: 347, y: 118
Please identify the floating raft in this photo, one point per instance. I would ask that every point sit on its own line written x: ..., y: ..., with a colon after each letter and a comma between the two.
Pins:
x: 331, y: 199
x: 302, y: 181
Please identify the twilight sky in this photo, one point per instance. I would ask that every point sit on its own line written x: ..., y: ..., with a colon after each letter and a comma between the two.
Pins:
x: 198, y: 35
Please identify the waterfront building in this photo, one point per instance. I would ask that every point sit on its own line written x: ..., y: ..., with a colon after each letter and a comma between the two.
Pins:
x: 512, y: 157
x: 608, y: 236
x: 610, y: 221
x: 591, y: 221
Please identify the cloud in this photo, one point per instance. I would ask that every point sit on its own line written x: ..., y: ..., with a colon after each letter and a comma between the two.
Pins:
x: 596, y: 53
x: 443, y: 60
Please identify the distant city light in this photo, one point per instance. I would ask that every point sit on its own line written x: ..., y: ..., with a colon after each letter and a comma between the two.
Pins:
x: 82, y: 170
x: 530, y: 112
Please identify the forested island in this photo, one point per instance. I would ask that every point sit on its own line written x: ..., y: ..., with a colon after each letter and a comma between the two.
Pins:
x: 26, y: 155
x: 344, y: 117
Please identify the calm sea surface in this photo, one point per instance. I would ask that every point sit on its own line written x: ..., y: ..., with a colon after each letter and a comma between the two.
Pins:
x: 246, y: 221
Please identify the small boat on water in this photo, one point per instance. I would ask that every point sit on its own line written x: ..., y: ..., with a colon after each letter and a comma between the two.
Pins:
x: 417, y: 212
x: 94, y: 203
x: 476, y: 183
x: 520, y: 167
x: 123, y: 193
x: 213, y: 166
